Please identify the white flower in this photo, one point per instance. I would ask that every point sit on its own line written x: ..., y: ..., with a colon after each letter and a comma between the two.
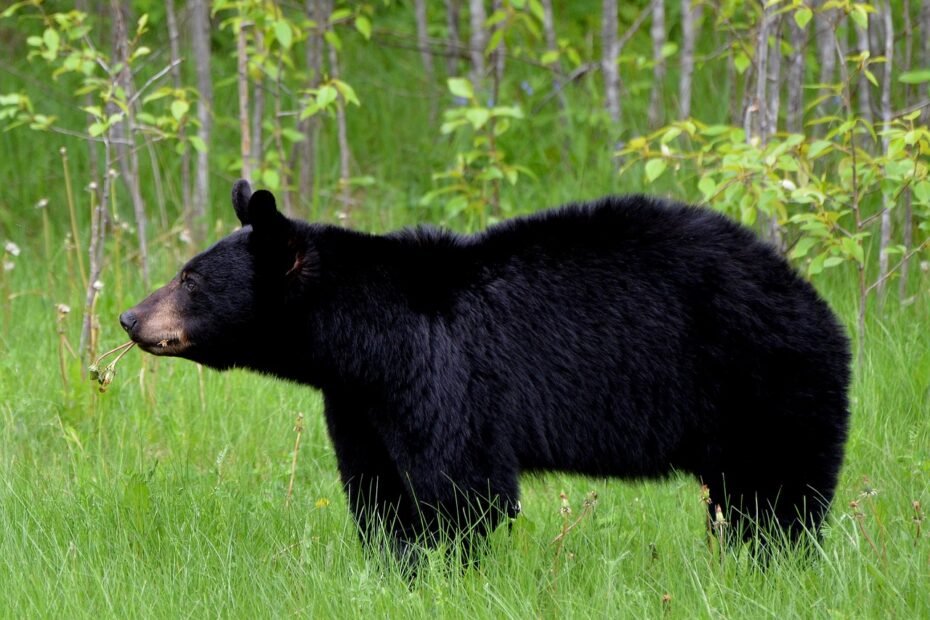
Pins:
x: 98, y: 285
x: 42, y: 203
x: 11, y: 248
x: 8, y: 265
x: 63, y: 308
x: 788, y: 184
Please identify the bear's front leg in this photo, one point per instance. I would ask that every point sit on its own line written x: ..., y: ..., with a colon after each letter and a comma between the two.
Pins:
x: 462, y: 483
x: 378, y: 498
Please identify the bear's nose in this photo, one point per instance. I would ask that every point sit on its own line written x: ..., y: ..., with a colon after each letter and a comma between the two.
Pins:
x: 128, y: 321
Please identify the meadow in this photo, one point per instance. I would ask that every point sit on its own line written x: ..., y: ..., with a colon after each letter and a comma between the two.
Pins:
x: 168, y: 495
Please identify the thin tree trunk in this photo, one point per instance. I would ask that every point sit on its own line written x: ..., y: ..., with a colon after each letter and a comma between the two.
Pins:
x: 200, y: 39
x: 552, y: 46
x: 310, y: 127
x: 908, y: 48
x: 794, y: 111
x: 885, y: 239
x: 657, y: 32
x: 611, y: 52
x: 773, y: 109
x: 98, y: 232
x: 455, y: 38
x: 477, y: 42
x: 735, y: 111
x: 907, y: 230
x: 242, y: 71
x: 174, y: 45
x: 128, y: 155
x: 258, y: 102
x: 557, y: 88
x: 92, y: 154
x: 498, y: 54
x: 286, y: 170
x: 825, y: 35
x: 345, y: 154
x: 762, y: 67
x: 865, y: 95
x: 907, y: 235
x: 925, y: 52
x: 764, y: 99
x: 419, y: 11
x: 690, y: 14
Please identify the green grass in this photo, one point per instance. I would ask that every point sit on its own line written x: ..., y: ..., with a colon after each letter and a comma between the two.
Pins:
x: 165, y: 497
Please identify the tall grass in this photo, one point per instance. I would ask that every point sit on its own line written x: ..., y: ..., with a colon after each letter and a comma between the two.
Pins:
x: 166, y: 497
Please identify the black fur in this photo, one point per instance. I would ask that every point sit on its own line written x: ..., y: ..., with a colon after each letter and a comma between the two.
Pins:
x: 627, y: 337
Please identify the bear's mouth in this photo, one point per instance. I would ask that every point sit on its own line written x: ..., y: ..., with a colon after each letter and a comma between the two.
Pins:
x: 168, y: 345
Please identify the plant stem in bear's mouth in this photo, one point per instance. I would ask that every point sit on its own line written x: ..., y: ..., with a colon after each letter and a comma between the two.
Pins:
x: 105, y: 377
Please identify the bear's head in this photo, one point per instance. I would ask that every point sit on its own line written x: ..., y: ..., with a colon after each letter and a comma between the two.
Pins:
x: 227, y: 303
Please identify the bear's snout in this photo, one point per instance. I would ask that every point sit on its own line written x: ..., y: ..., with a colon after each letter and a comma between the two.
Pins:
x: 128, y: 320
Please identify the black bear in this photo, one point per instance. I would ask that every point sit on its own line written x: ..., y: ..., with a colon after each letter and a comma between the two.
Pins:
x: 627, y: 337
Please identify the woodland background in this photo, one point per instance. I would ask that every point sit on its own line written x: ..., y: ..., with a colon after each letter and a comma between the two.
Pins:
x: 183, y: 491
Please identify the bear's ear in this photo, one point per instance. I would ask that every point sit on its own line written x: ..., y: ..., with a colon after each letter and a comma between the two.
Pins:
x: 263, y: 212
x: 241, y: 192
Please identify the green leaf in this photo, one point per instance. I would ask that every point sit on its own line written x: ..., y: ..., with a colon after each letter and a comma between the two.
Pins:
x: 339, y: 15
x: 52, y: 41
x: 283, y: 33
x: 292, y: 135
x: 495, y: 18
x: 859, y: 16
x: 654, y: 169
x: 915, y: 77
x: 271, y: 179
x: 507, y: 110
x: 455, y: 206
x: 833, y: 261
x: 326, y: 95
x: 854, y: 249
x: 707, y: 186
x: 199, y: 145
x: 96, y: 129
x: 333, y: 39
x: 461, y: 87
x: 363, y: 25
x: 922, y: 191
x: 140, y: 25
x: 549, y: 57
x: 179, y: 108
x: 450, y: 126
x: 477, y: 117
x: 802, y: 16
x: 816, y: 265
x: 802, y: 247
x: 741, y: 62
x: 494, y: 41
x: 309, y: 110
x: 347, y: 92
x: 819, y: 147
x: 140, y: 52
x: 670, y: 134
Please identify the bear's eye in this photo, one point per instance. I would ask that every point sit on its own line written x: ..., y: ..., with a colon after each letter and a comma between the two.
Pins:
x: 187, y: 282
